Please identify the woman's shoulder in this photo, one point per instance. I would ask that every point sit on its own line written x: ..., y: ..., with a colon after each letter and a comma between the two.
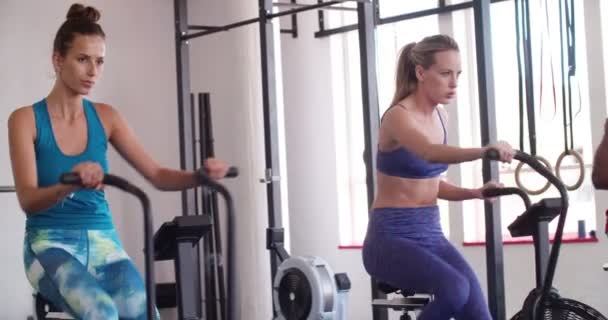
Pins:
x: 102, y: 106
x: 22, y: 120
x: 104, y: 110
x: 397, y: 112
x: 22, y: 115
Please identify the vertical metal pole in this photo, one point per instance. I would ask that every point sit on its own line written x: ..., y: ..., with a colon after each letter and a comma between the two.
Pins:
x: 487, y: 110
x: 187, y: 304
x: 321, y: 17
x: 186, y: 129
x: 271, y: 128
x: 183, y: 100
x: 371, y: 113
x: 210, y: 262
x: 193, y: 142
x: 529, y: 76
x: 294, y: 23
x: 542, y: 249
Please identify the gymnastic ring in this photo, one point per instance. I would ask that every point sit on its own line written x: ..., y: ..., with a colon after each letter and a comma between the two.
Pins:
x: 521, y: 185
x: 581, y: 166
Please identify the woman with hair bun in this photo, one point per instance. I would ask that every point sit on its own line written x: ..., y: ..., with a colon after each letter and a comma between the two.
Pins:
x: 72, y: 253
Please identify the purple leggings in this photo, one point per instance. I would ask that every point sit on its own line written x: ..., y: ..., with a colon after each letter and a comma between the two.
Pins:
x: 406, y: 248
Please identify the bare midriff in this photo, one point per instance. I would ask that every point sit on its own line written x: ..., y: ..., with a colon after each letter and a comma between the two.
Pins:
x: 398, y: 192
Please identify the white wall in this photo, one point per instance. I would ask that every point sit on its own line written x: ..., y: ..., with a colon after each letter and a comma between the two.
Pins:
x: 15, y: 290
x: 311, y: 156
x: 314, y: 201
x: 226, y: 64
x: 140, y: 80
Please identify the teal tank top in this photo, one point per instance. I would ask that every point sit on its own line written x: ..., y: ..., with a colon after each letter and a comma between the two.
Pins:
x: 83, y: 209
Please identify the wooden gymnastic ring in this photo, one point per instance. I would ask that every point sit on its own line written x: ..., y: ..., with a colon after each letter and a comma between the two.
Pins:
x: 521, y: 185
x: 581, y: 165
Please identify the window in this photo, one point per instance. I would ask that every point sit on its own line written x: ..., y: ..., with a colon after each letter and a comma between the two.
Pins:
x: 346, y: 63
x: 390, y: 8
x: 549, y: 126
x: 458, y: 1
x: 604, y: 21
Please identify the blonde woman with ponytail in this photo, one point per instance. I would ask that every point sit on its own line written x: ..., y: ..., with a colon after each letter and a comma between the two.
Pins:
x: 405, y: 246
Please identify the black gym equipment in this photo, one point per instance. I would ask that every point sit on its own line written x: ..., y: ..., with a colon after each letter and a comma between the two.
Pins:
x: 305, y: 287
x: 409, y: 301
x: 186, y: 32
x: 207, y: 182
x: 177, y: 240
x: 7, y: 189
x: 523, y: 39
x: 567, y: 31
x: 543, y: 302
x: 525, y: 81
x: 213, y: 269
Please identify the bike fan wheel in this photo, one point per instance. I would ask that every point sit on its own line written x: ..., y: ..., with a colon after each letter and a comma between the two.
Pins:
x: 557, y: 308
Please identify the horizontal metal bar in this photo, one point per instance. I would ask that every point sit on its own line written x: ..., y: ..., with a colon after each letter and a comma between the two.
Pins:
x: 334, y: 31
x: 211, y: 30
x: 220, y: 29
x: 287, y: 31
x: 430, y: 12
x: 197, y: 27
x: 7, y: 189
x: 425, y: 13
x: 303, y: 8
x: 299, y: 5
x: 402, y: 17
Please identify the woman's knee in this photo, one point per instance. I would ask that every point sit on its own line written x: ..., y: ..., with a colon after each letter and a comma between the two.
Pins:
x: 100, y: 308
x: 454, y: 294
x: 132, y: 305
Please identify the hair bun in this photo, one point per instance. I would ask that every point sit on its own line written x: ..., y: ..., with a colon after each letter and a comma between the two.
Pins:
x: 79, y: 12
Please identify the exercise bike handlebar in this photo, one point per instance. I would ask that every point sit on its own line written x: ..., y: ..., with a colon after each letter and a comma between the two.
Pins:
x: 111, y: 180
x: 499, y: 192
x: 233, y: 172
x: 212, y: 184
x: 531, y: 161
x: 5, y: 189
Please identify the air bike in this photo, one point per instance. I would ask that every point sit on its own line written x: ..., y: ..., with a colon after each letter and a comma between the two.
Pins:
x: 543, y: 302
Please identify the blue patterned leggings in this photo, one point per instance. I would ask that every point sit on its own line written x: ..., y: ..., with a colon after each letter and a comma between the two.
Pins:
x: 87, y: 273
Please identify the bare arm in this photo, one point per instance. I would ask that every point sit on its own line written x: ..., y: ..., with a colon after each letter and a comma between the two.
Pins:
x: 402, y: 128
x: 21, y: 135
x: 130, y: 148
x: 450, y: 192
x: 599, y: 174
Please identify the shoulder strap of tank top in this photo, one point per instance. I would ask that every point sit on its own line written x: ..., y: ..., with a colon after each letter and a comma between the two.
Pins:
x: 395, y: 105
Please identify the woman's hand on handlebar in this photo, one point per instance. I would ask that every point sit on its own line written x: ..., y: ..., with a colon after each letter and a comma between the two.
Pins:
x: 216, y: 168
x: 91, y: 174
x: 489, y: 185
x: 504, y: 149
